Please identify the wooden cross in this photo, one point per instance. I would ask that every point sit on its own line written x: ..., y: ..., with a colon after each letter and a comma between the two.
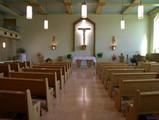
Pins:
x: 84, y: 32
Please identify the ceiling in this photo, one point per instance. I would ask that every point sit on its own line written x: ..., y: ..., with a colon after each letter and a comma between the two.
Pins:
x: 17, y: 7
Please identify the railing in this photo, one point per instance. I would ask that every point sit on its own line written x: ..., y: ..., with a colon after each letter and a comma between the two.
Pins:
x: 10, y: 27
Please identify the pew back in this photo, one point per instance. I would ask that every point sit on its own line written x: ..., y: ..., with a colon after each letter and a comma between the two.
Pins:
x: 4, y: 68
x: 108, y: 73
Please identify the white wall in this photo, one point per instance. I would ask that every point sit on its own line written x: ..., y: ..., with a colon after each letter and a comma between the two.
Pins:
x: 35, y: 39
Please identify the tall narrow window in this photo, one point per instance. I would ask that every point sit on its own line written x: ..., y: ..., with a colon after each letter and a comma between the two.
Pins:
x: 156, y: 35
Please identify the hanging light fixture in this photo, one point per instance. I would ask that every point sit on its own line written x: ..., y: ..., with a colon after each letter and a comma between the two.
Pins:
x: 4, y: 44
x: 46, y: 22
x: 122, y: 22
x: 84, y: 9
x: 140, y: 11
x: 29, y: 12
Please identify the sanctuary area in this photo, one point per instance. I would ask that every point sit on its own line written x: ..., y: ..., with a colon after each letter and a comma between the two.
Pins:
x: 79, y: 59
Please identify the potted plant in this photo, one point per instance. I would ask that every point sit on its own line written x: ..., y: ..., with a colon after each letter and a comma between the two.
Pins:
x: 22, y: 54
x: 69, y: 56
x: 135, y: 59
x: 99, y: 55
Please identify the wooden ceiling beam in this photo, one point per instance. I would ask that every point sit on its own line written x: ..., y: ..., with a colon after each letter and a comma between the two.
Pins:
x: 133, y: 3
x: 10, y: 9
x: 68, y: 6
x: 38, y: 6
x: 154, y: 11
x: 100, y: 6
x: 58, y: 4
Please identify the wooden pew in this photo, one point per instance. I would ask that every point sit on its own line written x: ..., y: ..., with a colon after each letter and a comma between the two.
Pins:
x: 128, y: 88
x: 116, y: 77
x: 60, y: 77
x: 5, y: 69
x: 14, y: 66
x: 64, y: 73
x: 19, y: 102
x: 28, y: 64
x: 51, y: 77
x: 39, y: 88
x: 113, y: 67
x: 105, y: 65
x: 60, y: 64
x: 108, y: 73
x: 22, y: 64
x: 153, y: 67
x: 144, y: 103
x: 69, y: 66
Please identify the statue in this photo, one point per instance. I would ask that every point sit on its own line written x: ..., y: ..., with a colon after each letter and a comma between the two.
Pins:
x: 121, y: 58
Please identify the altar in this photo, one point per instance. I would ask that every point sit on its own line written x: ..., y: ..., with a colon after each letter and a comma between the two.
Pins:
x: 84, y: 59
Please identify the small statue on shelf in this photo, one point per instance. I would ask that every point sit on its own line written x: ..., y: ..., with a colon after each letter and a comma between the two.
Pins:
x: 121, y: 58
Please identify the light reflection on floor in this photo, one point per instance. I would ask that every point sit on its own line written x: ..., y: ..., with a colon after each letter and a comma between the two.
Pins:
x: 83, y: 98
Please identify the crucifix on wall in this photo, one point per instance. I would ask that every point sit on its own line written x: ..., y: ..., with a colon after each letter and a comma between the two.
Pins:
x: 84, y: 35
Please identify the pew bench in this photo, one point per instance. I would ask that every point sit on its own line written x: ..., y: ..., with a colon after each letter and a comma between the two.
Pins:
x: 14, y: 66
x: 64, y: 73
x: 102, y: 66
x: 51, y: 77
x: 113, y: 67
x: 5, y: 69
x: 108, y: 73
x: 128, y: 88
x: 58, y: 71
x: 18, y: 102
x: 116, y: 77
x: 144, y: 103
x: 153, y: 67
x: 39, y: 88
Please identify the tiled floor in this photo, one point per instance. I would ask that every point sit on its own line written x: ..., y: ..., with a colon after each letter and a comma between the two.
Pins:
x: 83, y: 98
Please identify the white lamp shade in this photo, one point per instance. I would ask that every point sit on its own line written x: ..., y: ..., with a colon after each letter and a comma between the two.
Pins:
x: 29, y: 12
x: 84, y: 10
x: 46, y: 24
x: 140, y: 12
x: 4, y: 45
x: 122, y: 24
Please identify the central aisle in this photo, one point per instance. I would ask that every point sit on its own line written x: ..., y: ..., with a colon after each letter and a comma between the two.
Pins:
x: 83, y: 98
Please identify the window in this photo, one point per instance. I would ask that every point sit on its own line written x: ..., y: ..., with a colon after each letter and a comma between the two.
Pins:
x: 156, y: 35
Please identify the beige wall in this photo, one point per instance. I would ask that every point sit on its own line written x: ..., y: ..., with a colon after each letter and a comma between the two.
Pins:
x: 35, y: 39
x: 10, y: 49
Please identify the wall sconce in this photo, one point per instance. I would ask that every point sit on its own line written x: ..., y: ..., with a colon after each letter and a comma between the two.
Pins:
x: 53, y: 43
x: 114, y: 43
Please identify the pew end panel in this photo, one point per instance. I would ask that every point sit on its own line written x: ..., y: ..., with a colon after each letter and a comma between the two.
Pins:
x: 38, y: 87
x: 144, y: 103
x: 19, y: 102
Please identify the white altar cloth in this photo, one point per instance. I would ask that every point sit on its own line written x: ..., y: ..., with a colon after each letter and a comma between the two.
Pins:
x: 84, y: 59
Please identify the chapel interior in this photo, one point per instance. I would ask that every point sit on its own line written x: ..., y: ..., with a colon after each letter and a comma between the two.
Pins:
x: 79, y: 59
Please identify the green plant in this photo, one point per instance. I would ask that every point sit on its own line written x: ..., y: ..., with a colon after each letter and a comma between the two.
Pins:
x: 69, y: 56
x: 21, y: 50
x: 99, y: 55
